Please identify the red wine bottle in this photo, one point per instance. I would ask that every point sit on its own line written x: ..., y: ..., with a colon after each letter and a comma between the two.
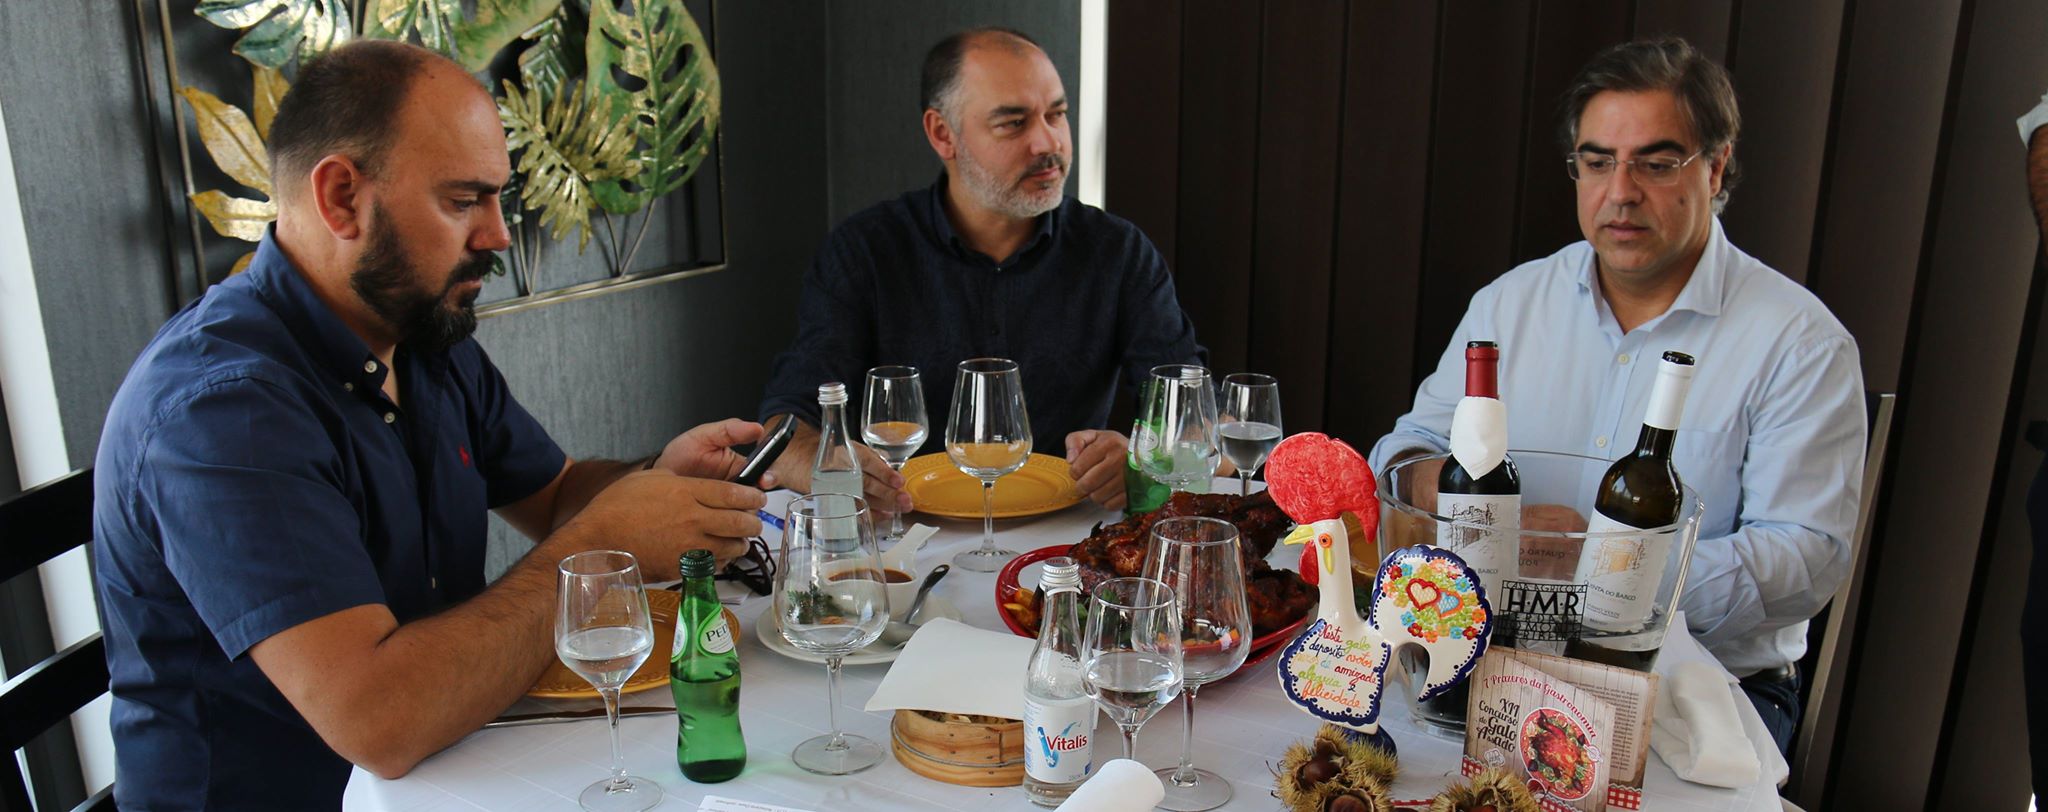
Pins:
x: 1481, y: 491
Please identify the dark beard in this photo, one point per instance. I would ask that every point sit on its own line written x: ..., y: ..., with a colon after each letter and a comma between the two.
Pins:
x: 386, y: 281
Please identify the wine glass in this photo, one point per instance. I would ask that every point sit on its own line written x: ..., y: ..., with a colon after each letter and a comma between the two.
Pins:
x: 603, y: 634
x: 893, y: 422
x: 1201, y: 560
x: 1176, y: 430
x: 988, y: 437
x: 1131, y: 653
x: 830, y: 599
x: 1252, y: 426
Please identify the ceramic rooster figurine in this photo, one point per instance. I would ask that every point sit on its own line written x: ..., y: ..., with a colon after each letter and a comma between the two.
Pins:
x: 1336, y: 670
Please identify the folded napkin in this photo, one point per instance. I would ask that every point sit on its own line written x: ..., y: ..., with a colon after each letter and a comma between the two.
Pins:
x: 951, y: 667
x: 1699, y: 728
x: 1479, y: 434
x: 1122, y: 785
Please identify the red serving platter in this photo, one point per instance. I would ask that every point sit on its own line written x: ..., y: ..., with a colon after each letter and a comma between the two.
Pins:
x: 1007, y: 587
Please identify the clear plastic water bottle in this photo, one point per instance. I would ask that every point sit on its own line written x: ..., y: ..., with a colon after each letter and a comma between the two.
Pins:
x: 1059, y: 718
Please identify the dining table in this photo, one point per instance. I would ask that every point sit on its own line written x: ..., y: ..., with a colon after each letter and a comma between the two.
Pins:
x: 1243, y: 724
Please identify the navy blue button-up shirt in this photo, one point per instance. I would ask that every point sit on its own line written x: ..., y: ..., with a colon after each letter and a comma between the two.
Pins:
x: 251, y: 477
x: 1086, y: 304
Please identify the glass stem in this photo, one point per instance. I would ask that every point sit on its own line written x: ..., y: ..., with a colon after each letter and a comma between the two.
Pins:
x: 988, y: 515
x: 1244, y: 482
x: 1185, y: 776
x: 832, y: 693
x: 1130, y: 740
x: 896, y: 516
x: 611, y: 712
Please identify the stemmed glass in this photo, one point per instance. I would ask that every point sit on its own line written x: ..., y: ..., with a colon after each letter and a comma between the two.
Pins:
x: 1176, y: 429
x: 988, y: 437
x: 829, y: 601
x: 1201, y: 560
x: 1131, y: 653
x: 1251, y: 403
x: 893, y: 422
x: 602, y: 633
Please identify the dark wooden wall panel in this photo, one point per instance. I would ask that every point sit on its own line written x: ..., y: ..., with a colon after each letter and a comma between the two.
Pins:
x: 1475, y: 163
x: 1219, y: 132
x: 1384, y: 169
x: 1566, y: 34
x: 1301, y: 88
x: 1785, y: 80
x: 1146, y: 63
x: 1704, y: 23
x: 1882, y: 173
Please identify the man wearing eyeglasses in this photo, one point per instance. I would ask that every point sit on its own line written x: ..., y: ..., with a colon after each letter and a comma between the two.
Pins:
x: 1772, y: 436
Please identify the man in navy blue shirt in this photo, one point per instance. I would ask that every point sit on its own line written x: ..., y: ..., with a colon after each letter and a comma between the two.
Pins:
x: 991, y: 260
x: 293, y: 479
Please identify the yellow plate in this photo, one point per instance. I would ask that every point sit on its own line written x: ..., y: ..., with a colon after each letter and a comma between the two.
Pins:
x: 558, y: 682
x: 1043, y: 485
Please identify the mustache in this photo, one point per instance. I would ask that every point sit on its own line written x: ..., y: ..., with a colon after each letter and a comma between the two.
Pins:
x: 1048, y: 162
x: 473, y: 269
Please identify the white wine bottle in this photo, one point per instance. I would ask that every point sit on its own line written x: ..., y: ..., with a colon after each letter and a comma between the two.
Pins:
x: 1640, y: 492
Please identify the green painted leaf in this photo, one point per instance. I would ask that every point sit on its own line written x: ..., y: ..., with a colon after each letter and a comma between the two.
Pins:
x: 565, y: 144
x: 551, y: 59
x: 653, y: 67
x: 278, y: 30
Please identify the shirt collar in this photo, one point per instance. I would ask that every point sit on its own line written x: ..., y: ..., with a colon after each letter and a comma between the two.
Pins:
x: 942, y: 226
x: 318, y: 328
x: 1703, y: 293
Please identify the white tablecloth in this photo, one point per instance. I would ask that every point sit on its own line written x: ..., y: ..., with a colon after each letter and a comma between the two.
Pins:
x: 1241, y: 727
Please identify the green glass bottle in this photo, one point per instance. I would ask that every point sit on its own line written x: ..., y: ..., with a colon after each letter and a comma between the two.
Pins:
x: 704, y: 675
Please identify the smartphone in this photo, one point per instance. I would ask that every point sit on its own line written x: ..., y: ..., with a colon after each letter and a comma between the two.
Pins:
x: 777, y: 438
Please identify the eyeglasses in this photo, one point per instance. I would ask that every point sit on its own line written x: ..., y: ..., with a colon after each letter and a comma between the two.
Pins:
x: 1656, y: 170
x: 755, y: 570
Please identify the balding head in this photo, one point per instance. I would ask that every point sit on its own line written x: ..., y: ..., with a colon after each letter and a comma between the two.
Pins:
x: 349, y: 102
x: 940, y: 88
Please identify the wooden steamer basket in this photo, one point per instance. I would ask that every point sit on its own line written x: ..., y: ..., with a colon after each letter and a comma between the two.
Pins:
x: 972, y: 751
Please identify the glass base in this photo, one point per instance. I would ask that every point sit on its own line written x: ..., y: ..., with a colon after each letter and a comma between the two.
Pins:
x: 980, y: 560
x: 635, y: 794
x: 1207, y: 791
x: 852, y: 754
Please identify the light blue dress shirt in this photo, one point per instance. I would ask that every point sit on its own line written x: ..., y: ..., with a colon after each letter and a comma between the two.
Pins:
x: 1772, y: 437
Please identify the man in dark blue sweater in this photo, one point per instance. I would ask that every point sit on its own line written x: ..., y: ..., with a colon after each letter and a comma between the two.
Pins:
x: 990, y: 260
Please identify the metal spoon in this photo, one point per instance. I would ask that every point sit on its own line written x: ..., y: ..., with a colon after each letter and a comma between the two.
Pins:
x: 898, y: 632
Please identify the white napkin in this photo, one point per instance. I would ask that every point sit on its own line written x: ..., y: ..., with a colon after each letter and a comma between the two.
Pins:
x: 951, y: 667
x: 1699, y: 728
x: 1122, y: 785
x: 1479, y: 434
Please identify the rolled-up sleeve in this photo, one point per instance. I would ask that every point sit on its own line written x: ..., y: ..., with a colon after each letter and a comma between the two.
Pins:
x: 2034, y: 119
x: 1802, y: 479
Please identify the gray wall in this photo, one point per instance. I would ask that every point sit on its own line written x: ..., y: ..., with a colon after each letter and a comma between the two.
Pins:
x: 820, y: 121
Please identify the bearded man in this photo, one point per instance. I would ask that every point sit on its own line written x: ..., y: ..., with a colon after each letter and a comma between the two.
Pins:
x: 991, y: 260
x: 293, y: 478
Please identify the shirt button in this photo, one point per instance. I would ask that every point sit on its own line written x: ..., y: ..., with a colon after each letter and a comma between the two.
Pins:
x: 393, y: 418
x: 370, y: 366
x: 1598, y: 442
x: 1621, y: 359
x: 349, y: 387
x: 433, y: 583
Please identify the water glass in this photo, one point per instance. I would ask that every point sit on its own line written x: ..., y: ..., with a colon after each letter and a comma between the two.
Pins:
x: 830, y: 599
x: 1201, y: 560
x: 893, y: 422
x: 1176, y: 426
x: 602, y: 633
x: 1251, y: 423
x: 988, y: 437
x: 1131, y: 653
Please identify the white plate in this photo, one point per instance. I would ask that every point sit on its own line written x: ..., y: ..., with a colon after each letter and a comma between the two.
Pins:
x: 770, y: 634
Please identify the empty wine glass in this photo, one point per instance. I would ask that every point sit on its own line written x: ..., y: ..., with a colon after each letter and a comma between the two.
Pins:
x: 1200, y: 559
x: 830, y: 599
x: 893, y: 421
x: 603, y: 634
x: 1251, y: 427
x: 1131, y: 653
x: 1176, y: 427
x: 988, y: 437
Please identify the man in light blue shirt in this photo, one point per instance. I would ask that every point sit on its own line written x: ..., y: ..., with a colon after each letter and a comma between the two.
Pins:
x: 1773, y: 432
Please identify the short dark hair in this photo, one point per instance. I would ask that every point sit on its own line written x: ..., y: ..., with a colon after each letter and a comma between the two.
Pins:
x: 1705, y: 95
x: 344, y: 102
x: 942, y: 64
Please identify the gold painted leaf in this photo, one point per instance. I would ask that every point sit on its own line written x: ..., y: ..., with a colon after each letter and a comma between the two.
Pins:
x: 270, y: 89
x: 230, y: 139
x: 236, y: 217
x: 565, y: 144
x: 243, y: 263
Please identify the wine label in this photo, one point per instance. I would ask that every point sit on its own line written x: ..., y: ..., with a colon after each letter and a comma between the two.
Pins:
x: 1621, y: 574
x: 1493, y: 553
x: 1057, y: 739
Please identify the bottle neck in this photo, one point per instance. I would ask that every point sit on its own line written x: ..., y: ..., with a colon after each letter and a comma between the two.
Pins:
x: 699, y: 587
x: 1655, y: 442
x: 1482, y: 378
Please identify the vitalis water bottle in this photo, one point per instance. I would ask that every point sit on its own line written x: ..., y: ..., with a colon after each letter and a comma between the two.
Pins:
x: 1059, y: 719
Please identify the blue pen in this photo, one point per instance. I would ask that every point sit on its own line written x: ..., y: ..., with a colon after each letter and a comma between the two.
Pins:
x: 772, y: 519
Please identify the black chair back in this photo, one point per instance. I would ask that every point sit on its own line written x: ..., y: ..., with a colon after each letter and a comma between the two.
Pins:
x: 36, y: 526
